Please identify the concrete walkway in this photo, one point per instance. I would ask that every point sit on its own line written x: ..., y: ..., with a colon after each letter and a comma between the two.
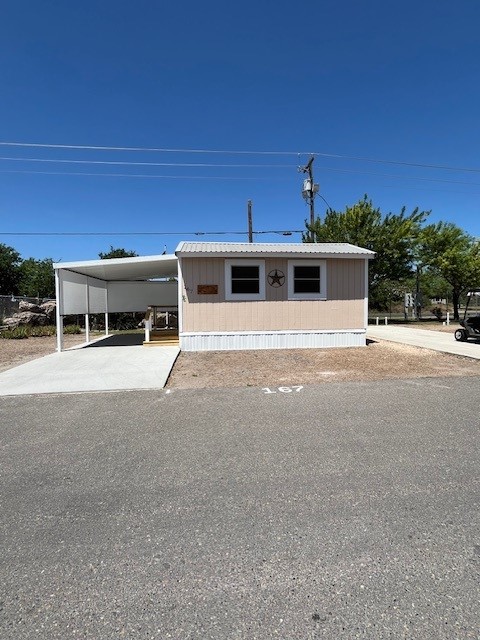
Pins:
x: 92, y: 368
x: 436, y: 340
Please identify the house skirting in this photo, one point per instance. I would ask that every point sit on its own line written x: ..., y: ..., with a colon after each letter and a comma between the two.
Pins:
x: 239, y: 340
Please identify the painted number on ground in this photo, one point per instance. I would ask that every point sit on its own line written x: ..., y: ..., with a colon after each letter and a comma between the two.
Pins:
x: 283, y: 389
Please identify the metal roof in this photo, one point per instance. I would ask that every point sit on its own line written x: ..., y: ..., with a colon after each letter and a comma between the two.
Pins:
x: 325, y: 249
x: 164, y: 266
x: 121, y: 269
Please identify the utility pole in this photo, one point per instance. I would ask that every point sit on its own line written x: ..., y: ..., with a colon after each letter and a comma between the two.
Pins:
x: 250, y: 223
x: 309, y: 191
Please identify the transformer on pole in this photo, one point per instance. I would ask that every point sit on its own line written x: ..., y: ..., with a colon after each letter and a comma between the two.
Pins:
x: 309, y: 191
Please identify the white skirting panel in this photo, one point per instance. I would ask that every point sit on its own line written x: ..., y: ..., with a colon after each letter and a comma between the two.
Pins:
x: 236, y: 341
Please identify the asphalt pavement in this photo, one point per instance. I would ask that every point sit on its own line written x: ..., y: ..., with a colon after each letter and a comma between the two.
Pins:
x: 334, y: 511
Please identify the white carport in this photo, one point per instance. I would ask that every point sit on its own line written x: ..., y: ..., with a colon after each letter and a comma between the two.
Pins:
x: 113, y: 286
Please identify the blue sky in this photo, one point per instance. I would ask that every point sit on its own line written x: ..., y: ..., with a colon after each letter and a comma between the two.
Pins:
x: 378, y: 80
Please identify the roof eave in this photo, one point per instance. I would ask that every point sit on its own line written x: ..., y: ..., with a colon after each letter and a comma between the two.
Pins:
x: 290, y: 254
x: 113, y: 261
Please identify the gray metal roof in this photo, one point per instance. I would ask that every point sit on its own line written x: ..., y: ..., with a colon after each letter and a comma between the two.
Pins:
x: 148, y: 267
x: 324, y: 249
x: 137, y: 268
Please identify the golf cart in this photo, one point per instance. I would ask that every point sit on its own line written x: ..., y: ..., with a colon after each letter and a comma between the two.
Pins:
x: 471, y: 318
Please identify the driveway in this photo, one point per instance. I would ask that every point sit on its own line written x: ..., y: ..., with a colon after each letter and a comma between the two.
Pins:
x: 113, y: 363
x: 436, y: 340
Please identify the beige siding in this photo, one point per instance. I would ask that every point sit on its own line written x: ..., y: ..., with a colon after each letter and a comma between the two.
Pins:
x: 343, y: 309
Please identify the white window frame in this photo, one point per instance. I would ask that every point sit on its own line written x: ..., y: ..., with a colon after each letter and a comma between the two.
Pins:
x: 322, y: 295
x: 229, y: 263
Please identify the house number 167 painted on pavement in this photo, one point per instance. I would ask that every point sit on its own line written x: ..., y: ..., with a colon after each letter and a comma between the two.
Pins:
x: 283, y: 389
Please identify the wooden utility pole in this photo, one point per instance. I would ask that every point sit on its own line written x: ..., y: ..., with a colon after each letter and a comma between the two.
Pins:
x: 309, y: 194
x: 250, y: 223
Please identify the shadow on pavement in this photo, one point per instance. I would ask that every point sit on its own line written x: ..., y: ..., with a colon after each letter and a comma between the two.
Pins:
x: 120, y: 340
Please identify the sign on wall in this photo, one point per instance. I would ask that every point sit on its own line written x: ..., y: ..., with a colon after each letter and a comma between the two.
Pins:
x: 207, y: 289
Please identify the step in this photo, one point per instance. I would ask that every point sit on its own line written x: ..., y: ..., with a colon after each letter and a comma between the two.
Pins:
x: 162, y: 343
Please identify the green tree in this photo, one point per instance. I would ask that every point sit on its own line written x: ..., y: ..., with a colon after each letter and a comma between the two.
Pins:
x: 37, y: 278
x: 393, y: 237
x: 432, y: 284
x: 453, y: 254
x: 117, y: 253
x: 9, y: 270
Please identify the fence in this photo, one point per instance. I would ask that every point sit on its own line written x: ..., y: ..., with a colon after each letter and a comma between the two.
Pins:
x: 431, y: 309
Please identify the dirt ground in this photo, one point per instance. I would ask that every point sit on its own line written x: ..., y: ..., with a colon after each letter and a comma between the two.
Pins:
x: 15, y: 352
x: 378, y: 361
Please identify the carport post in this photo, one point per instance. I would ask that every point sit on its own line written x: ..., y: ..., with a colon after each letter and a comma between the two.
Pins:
x: 87, y: 315
x: 59, y: 323
x: 58, y: 316
x: 106, y: 308
x: 147, y: 328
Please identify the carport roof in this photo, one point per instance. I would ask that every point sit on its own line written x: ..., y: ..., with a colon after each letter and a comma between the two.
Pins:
x: 121, y: 269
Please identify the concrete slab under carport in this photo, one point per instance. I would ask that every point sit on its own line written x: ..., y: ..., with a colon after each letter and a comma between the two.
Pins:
x: 110, y: 364
x: 435, y: 340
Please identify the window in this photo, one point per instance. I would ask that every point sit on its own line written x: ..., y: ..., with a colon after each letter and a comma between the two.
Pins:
x: 244, y: 280
x: 307, y: 280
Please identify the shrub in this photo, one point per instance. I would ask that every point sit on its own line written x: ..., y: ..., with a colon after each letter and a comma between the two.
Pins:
x: 438, y: 313
x: 19, y: 333
x: 39, y: 332
x: 72, y: 329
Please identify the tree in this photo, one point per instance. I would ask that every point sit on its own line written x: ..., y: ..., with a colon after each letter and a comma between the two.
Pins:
x: 430, y: 283
x: 9, y: 270
x: 37, y: 278
x: 453, y: 254
x: 117, y: 253
x: 393, y: 237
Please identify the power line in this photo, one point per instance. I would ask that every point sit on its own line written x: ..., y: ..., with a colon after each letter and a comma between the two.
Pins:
x: 150, y: 164
x: 147, y: 149
x: 284, y: 232
x: 320, y: 196
x: 400, y: 177
x: 236, y: 178
x: 180, y: 177
x: 132, y: 175
x: 238, y: 152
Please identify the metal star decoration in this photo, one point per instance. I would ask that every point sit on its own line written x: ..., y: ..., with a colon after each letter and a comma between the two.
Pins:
x: 276, y: 278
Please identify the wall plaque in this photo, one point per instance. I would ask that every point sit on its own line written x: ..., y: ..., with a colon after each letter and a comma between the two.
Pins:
x: 207, y: 289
